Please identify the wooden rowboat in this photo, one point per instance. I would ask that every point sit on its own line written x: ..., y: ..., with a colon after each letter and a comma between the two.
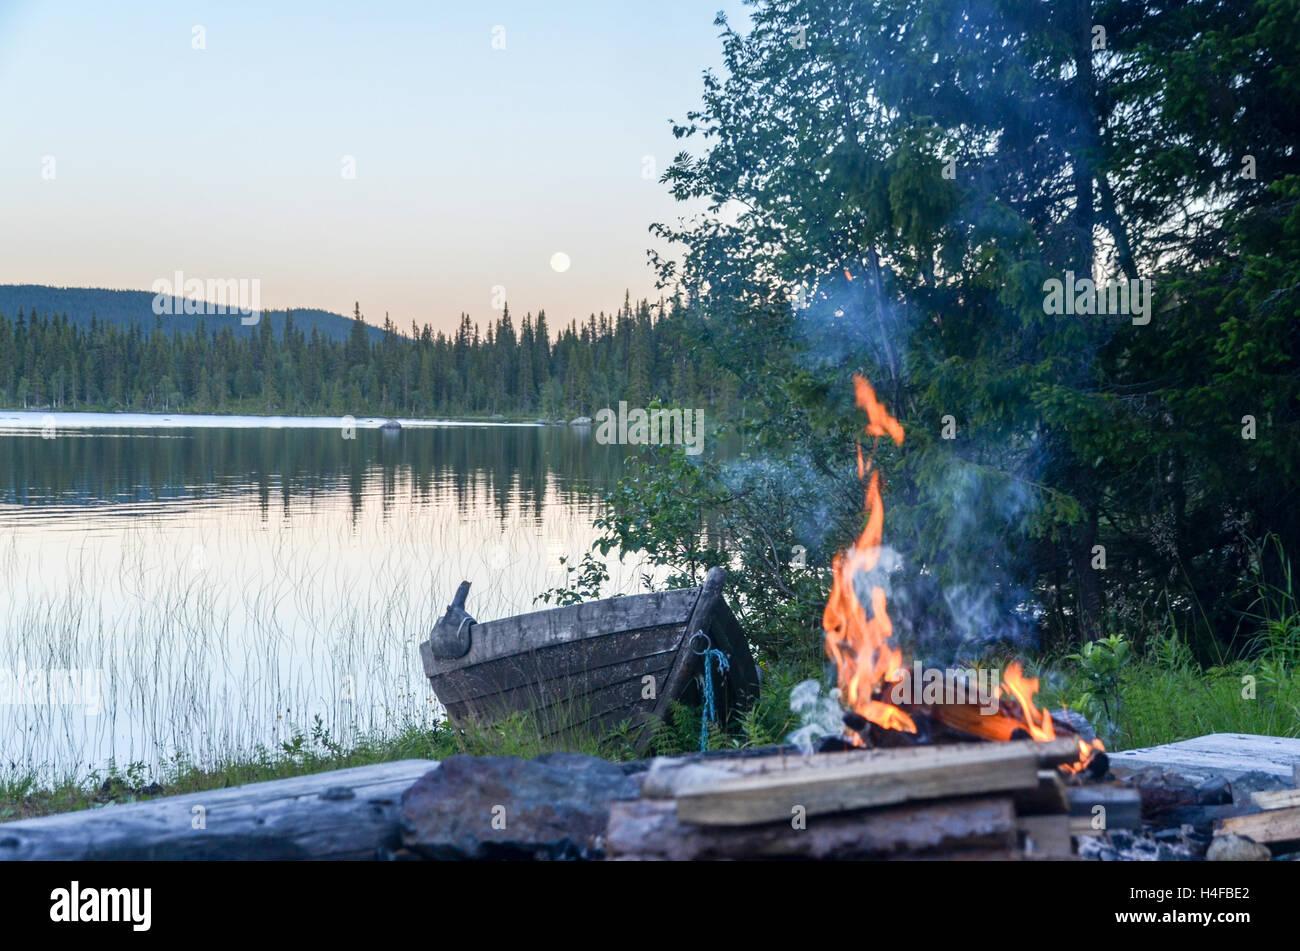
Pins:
x: 590, y: 666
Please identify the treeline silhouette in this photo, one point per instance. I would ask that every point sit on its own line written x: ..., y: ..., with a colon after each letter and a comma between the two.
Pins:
x: 640, y: 353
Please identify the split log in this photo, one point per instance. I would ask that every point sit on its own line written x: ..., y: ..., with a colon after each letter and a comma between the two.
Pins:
x: 344, y: 814
x: 669, y: 776
x: 971, y: 720
x: 1276, y: 798
x: 652, y: 829
x: 1057, y: 752
x: 842, y: 782
x: 1274, y: 825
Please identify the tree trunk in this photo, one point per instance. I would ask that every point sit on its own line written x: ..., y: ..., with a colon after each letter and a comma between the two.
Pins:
x: 1088, y: 599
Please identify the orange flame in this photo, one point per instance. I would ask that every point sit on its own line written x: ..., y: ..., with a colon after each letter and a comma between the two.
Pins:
x: 1040, y: 724
x: 879, y: 422
x: 859, y: 645
x: 1017, y: 712
x: 1022, y: 689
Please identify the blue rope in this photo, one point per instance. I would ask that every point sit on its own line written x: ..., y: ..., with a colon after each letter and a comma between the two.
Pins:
x: 709, y: 712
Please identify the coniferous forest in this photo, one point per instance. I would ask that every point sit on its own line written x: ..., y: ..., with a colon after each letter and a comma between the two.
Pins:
x: 639, y: 353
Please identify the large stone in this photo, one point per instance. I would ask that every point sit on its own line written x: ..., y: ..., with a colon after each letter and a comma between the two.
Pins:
x: 1256, y: 781
x: 552, y: 807
x: 1230, y: 755
x: 1237, y: 848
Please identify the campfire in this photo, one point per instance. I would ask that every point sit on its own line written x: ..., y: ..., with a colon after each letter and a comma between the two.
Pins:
x: 933, y: 764
x: 871, y: 669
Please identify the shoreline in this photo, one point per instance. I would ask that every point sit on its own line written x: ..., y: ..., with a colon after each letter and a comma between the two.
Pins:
x: 64, y: 419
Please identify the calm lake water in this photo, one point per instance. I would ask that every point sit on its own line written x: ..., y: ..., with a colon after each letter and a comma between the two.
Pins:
x: 199, y: 590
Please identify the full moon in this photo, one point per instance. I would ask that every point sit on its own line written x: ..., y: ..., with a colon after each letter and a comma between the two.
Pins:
x: 560, y: 262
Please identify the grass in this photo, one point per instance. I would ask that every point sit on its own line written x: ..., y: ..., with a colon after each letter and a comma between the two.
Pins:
x: 314, y: 752
x: 1162, y: 694
x: 24, y: 797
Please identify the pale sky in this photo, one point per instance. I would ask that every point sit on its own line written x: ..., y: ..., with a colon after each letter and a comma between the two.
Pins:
x: 130, y: 154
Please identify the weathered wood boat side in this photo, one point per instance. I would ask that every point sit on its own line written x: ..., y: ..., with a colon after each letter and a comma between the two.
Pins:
x: 589, y: 666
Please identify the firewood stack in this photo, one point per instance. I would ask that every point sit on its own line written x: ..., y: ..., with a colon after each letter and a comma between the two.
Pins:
x: 961, y: 800
x: 1274, y: 818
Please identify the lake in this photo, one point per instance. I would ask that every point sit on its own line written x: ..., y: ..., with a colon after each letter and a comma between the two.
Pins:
x: 200, y: 586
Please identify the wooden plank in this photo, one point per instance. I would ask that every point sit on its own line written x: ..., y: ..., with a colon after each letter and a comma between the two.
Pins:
x: 652, y: 829
x: 669, y: 776
x: 1276, y: 798
x: 1274, y: 825
x: 565, y: 714
x: 1045, y: 837
x: 858, y: 783
x: 344, y: 814
x: 1080, y: 825
x: 527, y: 689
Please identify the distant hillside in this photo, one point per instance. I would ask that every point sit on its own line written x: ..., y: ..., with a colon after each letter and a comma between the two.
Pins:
x: 136, y: 307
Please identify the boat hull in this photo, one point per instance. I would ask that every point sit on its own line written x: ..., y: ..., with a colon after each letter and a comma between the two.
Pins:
x: 591, y: 668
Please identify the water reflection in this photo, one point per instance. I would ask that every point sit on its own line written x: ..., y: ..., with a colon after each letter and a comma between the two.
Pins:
x: 128, y: 472
x: 233, y: 584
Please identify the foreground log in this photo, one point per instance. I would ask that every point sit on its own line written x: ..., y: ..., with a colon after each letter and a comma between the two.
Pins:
x: 649, y: 829
x: 766, y: 791
x: 553, y: 807
x: 345, y: 814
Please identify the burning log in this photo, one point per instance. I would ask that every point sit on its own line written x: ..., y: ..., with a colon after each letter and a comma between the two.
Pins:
x: 834, y: 744
x: 873, y: 734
